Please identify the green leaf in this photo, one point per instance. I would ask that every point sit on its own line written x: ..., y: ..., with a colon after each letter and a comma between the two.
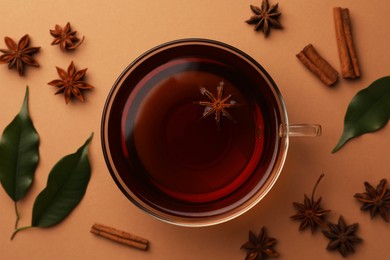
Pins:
x: 19, y: 153
x: 66, y: 186
x: 368, y: 111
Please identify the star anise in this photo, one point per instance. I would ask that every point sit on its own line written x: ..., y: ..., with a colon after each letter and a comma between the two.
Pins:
x: 310, y: 212
x: 19, y: 55
x: 376, y: 200
x: 265, y: 17
x: 260, y: 247
x: 342, y: 237
x: 71, y: 83
x: 217, y: 105
x: 65, y: 37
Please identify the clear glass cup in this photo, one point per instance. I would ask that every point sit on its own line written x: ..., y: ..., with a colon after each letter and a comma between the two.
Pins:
x: 178, y: 166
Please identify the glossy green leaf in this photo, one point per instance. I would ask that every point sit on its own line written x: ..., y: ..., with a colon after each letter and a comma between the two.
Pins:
x: 66, y: 186
x: 368, y: 111
x: 19, y: 153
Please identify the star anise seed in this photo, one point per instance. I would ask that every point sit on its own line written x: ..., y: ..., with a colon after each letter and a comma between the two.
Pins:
x: 65, y: 37
x: 260, y: 247
x: 310, y: 212
x: 376, y: 200
x: 18, y: 55
x: 265, y: 17
x: 342, y: 237
x: 217, y: 105
x: 71, y: 83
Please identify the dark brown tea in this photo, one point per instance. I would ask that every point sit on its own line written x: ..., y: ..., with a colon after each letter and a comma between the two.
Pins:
x: 181, y: 155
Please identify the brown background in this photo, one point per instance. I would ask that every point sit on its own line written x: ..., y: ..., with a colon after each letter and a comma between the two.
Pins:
x: 117, y: 31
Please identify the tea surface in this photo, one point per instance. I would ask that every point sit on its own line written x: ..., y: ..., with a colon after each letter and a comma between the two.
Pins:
x: 182, y: 155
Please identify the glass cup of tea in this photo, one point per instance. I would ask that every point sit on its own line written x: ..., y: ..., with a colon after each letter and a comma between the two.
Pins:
x: 195, y: 132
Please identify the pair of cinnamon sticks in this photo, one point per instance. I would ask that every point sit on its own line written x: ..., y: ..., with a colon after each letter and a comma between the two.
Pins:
x: 119, y: 236
x: 347, y: 53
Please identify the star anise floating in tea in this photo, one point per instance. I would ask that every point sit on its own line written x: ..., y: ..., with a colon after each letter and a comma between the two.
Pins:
x: 19, y: 55
x: 260, y: 247
x: 310, y: 212
x: 71, y: 83
x: 217, y: 105
x: 65, y: 37
x: 342, y: 237
x: 265, y: 17
x: 376, y: 200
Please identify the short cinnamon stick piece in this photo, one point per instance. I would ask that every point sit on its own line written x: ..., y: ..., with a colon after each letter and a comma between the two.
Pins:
x: 347, y: 53
x: 120, y: 236
x: 318, y: 65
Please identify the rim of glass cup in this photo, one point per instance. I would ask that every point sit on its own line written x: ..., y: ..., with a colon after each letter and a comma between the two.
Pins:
x: 226, y: 213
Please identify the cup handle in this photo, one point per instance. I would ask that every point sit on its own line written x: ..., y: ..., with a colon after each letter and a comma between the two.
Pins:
x: 298, y: 130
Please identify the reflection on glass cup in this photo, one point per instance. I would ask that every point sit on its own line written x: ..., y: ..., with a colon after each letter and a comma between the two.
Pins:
x: 195, y: 132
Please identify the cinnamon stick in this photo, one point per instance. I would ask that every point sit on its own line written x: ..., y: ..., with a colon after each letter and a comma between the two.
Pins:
x: 318, y: 65
x: 347, y: 53
x: 120, y: 236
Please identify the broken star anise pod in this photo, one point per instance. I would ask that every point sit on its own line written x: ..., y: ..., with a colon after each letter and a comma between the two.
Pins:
x: 71, y: 83
x: 310, y: 212
x: 65, y: 37
x: 265, y: 17
x: 260, y: 247
x: 19, y: 55
x: 342, y: 237
x: 376, y: 200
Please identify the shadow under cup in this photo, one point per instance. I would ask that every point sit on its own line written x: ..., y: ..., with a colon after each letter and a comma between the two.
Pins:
x: 173, y: 163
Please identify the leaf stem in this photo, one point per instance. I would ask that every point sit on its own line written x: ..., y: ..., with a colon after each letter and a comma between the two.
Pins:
x: 17, y: 214
x: 315, y: 186
x: 17, y: 230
